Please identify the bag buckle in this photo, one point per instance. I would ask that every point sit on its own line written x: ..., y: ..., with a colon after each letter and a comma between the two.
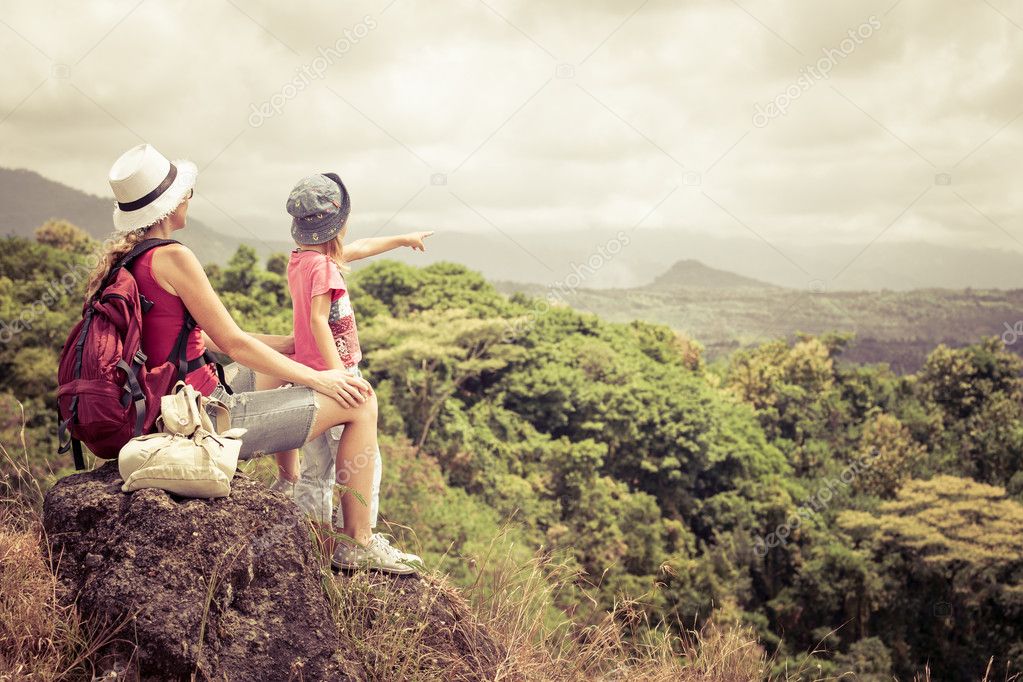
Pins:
x: 140, y: 357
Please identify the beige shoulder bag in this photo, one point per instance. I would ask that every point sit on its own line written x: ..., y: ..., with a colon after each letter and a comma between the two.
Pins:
x: 191, y: 457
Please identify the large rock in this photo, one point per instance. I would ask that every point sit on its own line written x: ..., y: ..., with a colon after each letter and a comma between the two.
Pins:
x: 223, y: 589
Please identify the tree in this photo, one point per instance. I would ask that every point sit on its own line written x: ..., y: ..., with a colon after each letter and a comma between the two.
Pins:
x: 277, y: 263
x: 891, y: 453
x: 64, y: 235
x: 953, y: 556
x: 242, y: 271
x: 437, y: 355
x: 976, y: 395
x: 795, y: 394
x: 868, y: 659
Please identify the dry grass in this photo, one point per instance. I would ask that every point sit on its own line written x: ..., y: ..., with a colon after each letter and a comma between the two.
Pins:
x: 500, y: 629
x: 513, y: 602
x: 41, y: 638
x: 31, y: 622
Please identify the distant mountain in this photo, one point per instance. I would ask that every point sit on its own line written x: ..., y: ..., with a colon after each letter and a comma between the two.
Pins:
x: 555, y: 255
x: 27, y: 200
x: 899, y: 328
x: 694, y: 274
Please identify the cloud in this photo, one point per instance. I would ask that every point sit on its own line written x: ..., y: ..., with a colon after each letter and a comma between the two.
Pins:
x: 466, y: 115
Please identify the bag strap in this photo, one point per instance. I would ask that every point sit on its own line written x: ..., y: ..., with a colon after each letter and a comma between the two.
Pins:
x: 223, y: 415
x: 179, y: 353
x: 134, y: 389
x: 184, y: 410
x: 63, y: 428
x: 128, y: 259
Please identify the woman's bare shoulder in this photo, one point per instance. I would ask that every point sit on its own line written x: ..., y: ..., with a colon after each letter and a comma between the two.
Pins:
x: 175, y: 253
x: 175, y: 265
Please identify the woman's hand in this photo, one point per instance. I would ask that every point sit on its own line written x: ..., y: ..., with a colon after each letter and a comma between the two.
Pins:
x: 287, y: 345
x: 350, y: 391
x: 414, y: 240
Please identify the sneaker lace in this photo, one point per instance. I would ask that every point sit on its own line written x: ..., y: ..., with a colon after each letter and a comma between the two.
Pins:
x: 384, y: 545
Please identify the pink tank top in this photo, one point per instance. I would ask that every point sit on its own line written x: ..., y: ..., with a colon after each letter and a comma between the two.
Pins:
x: 162, y: 324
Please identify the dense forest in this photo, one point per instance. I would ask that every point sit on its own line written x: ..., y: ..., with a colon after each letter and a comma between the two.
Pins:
x: 856, y: 519
x: 726, y: 313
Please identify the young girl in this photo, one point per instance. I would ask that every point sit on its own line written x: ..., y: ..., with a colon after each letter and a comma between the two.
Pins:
x: 326, y: 338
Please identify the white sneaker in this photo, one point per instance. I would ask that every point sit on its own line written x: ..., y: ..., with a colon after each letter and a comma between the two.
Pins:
x: 376, y: 554
x: 410, y: 557
x: 284, y: 486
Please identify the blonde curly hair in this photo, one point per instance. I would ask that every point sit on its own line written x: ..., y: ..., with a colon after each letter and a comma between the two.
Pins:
x: 113, y: 251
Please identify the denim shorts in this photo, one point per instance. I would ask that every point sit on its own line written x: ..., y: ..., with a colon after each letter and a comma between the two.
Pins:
x: 278, y: 419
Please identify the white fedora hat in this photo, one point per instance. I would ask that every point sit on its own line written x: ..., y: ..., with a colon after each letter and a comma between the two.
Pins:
x: 148, y: 187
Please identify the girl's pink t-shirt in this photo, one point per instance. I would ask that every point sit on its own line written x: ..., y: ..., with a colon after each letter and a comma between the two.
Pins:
x: 311, y: 273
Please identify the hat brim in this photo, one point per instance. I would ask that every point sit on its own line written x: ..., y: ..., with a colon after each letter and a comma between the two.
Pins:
x: 322, y: 233
x: 164, y: 205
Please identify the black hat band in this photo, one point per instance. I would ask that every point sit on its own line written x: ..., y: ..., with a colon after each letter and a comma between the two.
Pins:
x: 142, y: 202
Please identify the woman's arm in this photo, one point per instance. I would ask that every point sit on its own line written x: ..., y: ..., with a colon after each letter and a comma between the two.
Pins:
x: 372, y: 246
x: 281, y: 344
x: 319, y: 312
x: 178, y: 267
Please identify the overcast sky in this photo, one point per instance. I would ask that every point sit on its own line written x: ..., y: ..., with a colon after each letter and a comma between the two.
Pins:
x: 534, y: 116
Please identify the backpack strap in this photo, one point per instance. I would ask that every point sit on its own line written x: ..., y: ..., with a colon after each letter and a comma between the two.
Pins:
x: 179, y: 353
x: 220, y: 373
x: 72, y: 442
x: 76, y: 451
x: 64, y: 426
x: 179, y: 356
x: 134, y: 390
x: 128, y: 259
x: 207, y: 358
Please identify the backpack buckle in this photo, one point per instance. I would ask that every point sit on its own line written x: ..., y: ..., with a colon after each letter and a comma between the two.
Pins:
x: 140, y: 357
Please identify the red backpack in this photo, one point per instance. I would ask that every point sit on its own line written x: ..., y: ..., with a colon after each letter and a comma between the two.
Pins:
x: 106, y: 395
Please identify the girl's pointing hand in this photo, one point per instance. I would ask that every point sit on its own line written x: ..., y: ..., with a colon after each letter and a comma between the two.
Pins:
x: 414, y: 240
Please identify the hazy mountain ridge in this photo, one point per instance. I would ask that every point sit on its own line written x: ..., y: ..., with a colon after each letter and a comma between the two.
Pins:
x: 27, y: 200
x: 556, y: 254
x: 896, y: 327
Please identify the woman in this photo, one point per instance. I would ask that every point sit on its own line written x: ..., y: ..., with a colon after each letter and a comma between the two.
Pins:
x: 152, y: 202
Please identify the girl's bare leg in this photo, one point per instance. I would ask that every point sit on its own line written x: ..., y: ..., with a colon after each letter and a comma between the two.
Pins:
x: 287, y: 461
x: 356, y: 458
